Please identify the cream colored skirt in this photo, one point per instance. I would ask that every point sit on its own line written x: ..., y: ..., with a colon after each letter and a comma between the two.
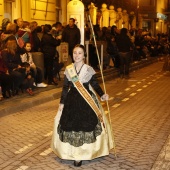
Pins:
x: 100, y: 147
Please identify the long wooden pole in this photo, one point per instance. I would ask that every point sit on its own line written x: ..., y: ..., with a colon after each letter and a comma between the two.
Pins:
x: 104, y: 87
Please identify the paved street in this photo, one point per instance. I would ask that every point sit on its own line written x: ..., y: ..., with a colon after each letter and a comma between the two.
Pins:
x: 140, y: 115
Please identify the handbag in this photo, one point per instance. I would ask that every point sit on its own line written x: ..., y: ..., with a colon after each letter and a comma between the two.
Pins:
x: 20, y: 41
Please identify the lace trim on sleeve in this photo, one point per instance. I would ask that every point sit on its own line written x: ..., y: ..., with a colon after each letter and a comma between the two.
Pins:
x: 86, y: 74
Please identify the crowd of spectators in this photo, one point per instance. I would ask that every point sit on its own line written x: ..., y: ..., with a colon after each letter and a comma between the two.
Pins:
x: 19, y: 39
x: 145, y: 45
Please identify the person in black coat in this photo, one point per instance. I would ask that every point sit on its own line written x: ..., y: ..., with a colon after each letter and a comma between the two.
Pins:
x: 71, y: 35
x: 124, y: 46
x: 48, y: 47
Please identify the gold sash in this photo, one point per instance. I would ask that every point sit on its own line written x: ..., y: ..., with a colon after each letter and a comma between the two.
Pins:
x: 84, y: 93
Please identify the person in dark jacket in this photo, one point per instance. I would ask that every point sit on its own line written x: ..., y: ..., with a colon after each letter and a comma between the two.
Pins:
x: 71, y: 35
x: 124, y: 46
x: 29, y: 80
x: 48, y: 47
x: 36, y: 46
x: 11, y: 59
x: 6, y: 81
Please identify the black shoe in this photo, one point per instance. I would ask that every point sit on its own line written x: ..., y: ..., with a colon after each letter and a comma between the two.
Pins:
x: 6, y: 94
x: 127, y: 76
x: 121, y: 76
x: 77, y: 164
x: 15, y: 92
x: 52, y: 83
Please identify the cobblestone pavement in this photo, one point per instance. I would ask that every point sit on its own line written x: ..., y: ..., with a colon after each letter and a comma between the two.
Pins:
x: 140, y: 117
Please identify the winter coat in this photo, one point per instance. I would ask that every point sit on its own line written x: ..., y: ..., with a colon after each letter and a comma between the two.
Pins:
x: 10, y: 60
x: 48, y: 45
x: 71, y: 36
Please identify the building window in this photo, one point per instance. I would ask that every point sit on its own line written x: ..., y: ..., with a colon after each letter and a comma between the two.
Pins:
x: 146, y: 2
x: 58, y: 9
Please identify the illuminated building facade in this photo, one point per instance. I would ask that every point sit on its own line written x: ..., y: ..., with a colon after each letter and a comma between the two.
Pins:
x: 154, y: 13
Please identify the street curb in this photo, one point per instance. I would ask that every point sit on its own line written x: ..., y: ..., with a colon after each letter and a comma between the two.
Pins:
x: 113, y: 72
x: 23, y: 102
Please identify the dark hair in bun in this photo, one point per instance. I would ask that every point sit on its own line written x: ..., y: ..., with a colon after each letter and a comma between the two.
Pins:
x: 82, y: 47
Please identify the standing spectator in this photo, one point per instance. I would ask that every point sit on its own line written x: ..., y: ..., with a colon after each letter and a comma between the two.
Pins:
x: 57, y: 66
x: 8, y: 34
x: 24, y: 31
x: 39, y: 33
x: 19, y: 23
x: 5, y: 22
x: 36, y: 46
x: 71, y: 35
x: 48, y: 47
x: 57, y: 30
x: 87, y: 33
x: 114, y: 31
x: 113, y: 51
x: 37, y: 72
x: 124, y: 45
x: 12, y: 60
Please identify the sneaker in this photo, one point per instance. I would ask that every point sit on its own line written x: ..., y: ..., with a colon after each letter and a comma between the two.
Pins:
x: 41, y: 85
x: 34, y: 84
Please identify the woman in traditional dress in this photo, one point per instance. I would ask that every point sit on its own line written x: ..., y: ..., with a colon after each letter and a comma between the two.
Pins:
x: 81, y: 129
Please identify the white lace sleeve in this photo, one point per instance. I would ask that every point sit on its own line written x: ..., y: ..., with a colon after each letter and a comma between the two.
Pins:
x: 86, y: 73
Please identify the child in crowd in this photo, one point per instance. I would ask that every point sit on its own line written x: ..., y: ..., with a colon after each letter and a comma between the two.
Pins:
x: 37, y: 72
x: 29, y: 80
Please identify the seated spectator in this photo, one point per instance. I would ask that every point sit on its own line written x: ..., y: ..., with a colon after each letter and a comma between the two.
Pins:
x: 37, y: 72
x: 11, y: 59
x: 29, y: 80
x: 6, y: 81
